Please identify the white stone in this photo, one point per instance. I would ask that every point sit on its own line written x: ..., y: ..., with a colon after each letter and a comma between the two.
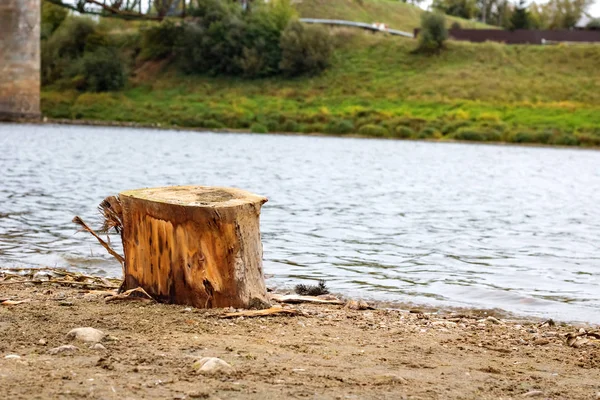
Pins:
x: 211, y: 365
x: 12, y: 356
x: 86, y: 334
x: 97, y: 346
x: 67, y: 348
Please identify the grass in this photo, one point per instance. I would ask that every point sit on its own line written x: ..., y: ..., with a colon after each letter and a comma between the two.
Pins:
x: 397, y: 14
x: 378, y: 87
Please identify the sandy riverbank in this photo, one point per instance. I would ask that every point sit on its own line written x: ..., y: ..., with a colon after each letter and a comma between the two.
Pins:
x: 328, y: 352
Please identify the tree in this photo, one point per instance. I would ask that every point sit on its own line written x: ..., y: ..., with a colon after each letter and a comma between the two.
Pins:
x: 594, y: 24
x: 560, y: 14
x: 433, y: 32
x: 459, y: 8
x: 520, y: 18
x: 127, y: 9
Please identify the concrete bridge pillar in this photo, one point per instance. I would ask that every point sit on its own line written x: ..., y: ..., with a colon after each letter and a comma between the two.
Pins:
x: 19, y: 59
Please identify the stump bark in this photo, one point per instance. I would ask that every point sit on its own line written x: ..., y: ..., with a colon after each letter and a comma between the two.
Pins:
x: 194, y: 245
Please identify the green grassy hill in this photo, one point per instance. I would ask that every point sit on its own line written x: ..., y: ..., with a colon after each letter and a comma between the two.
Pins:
x: 397, y: 14
x: 377, y: 86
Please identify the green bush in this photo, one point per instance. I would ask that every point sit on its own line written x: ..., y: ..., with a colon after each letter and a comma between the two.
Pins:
x: 65, y: 47
x: 262, y: 53
x: 214, y: 40
x: 531, y: 137
x: 102, y: 70
x: 403, y: 132
x: 373, y: 130
x: 258, y: 128
x: 565, y: 139
x: 433, y: 33
x: 594, y: 24
x: 452, y: 127
x: 290, y: 126
x: 212, y: 124
x: 427, y: 133
x: 588, y: 139
x: 158, y: 41
x: 314, y: 128
x: 306, y: 49
x: 340, y: 127
x: 475, y: 135
x: 52, y: 17
x: 221, y: 39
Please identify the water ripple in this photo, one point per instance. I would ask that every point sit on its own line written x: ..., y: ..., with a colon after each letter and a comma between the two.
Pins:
x: 442, y: 224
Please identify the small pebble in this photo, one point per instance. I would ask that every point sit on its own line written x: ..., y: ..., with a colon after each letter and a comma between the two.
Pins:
x: 211, y: 365
x: 67, y: 348
x: 534, y: 393
x: 493, y: 320
x: 97, y: 346
x: 66, y: 303
x: 86, y: 334
x: 42, y: 342
x: 12, y: 356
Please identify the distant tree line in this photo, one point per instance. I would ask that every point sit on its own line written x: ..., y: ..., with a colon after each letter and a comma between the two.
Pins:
x: 554, y: 14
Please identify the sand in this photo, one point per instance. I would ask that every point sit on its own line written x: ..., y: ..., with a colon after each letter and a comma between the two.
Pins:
x: 325, y: 352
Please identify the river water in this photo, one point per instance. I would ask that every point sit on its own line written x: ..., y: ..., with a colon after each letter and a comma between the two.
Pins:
x: 513, y: 228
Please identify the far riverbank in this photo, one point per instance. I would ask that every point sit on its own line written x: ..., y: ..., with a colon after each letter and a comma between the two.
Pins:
x: 167, y: 127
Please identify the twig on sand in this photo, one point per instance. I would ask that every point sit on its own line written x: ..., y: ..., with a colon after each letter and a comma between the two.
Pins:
x: 262, y: 313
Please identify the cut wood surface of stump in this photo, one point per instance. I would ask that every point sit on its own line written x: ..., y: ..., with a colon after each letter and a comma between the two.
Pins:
x: 194, y: 245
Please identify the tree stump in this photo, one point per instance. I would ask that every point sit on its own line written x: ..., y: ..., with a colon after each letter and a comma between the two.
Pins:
x: 194, y: 245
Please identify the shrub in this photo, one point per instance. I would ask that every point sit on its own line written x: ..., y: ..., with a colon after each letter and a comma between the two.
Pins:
x: 452, y: 127
x: 258, y: 128
x: 565, y: 139
x: 212, y: 124
x: 588, y: 139
x: 474, y: 135
x: 433, y: 32
x: 66, y: 45
x: 594, y: 24
x: 531, y: 137
x: 290, y: 126
x: 102, y: 70
x: 52, y: 17
x: 455, y: 25
x: 213, y: 42
x: 427, y: 133
x: 306, y: 49
x: 159, y: 40
x: 262, y: 53
x: 314, y: 128
x: 373, y: 130
x: 340, y: 127
x: 221, y: 39
x: 403, y: 132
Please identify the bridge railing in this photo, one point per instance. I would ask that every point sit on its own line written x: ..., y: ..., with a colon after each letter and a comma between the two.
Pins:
x: 361, y: 25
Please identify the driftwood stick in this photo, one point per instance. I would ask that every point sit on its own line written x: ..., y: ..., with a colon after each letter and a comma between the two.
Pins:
x: 113, y: 253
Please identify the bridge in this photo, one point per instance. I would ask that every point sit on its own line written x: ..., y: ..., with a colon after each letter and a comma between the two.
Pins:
x: 19, y: 59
